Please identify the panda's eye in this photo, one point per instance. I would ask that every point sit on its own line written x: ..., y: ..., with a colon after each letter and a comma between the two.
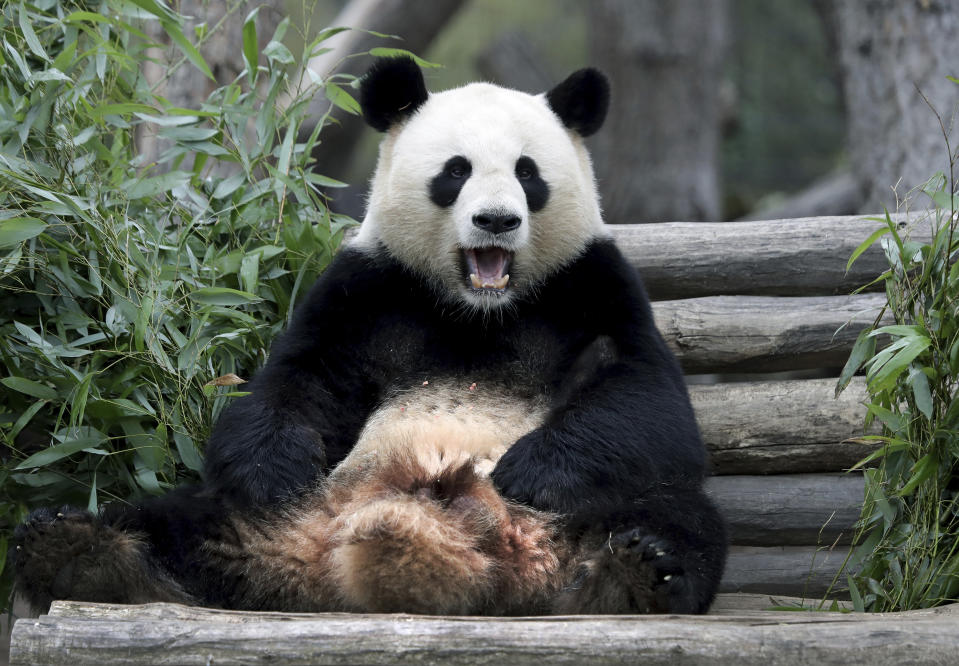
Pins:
x: 457, y: 167
x: 526, y: 168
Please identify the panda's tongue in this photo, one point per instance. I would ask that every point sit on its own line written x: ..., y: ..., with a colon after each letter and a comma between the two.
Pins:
x: 487, y: 267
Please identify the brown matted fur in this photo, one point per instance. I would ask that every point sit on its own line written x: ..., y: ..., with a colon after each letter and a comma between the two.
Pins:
x: 389, y: 534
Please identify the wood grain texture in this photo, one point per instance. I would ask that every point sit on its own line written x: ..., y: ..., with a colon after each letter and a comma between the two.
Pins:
x: 775, y: 427
x: 169, y: 635
x: 795, y: 257
x: 801, y: 571
x: 764, y: 333
x: 788, y: 509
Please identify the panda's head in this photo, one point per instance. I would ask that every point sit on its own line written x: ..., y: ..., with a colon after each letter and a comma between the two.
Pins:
x: 482, y: 191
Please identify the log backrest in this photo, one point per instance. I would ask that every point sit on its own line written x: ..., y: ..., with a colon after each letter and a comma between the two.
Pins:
x: 737, y: 301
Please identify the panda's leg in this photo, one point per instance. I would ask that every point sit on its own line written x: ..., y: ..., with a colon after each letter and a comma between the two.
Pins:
x: 663, y: 554
x: 68, y: 553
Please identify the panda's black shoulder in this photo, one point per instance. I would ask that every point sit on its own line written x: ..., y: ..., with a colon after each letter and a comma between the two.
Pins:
x: 601, y: 284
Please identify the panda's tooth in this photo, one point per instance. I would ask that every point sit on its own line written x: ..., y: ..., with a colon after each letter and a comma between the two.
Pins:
x: 502, y: 282
x: 474, y: 278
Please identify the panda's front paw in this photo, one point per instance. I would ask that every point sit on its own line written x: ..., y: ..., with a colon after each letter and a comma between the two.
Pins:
x: 631, y: 572
x: 527, y: 474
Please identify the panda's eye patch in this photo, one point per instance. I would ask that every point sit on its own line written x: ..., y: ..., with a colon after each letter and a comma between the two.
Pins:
x: 535, y: 188
x: 526, y: 168
x: 458, y: 168
x: 446, y: 185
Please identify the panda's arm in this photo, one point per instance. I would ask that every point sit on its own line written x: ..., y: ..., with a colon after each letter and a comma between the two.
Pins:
x: 625, y: 429
x: 308, y: 403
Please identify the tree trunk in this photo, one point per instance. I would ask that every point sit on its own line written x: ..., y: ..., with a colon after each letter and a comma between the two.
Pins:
x: 887, y: 49
x: 657, y: 156
x: 186, y: 86
x: 417, y: 24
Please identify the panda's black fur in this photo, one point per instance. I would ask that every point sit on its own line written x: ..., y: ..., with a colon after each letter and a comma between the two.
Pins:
x: 609, y: 485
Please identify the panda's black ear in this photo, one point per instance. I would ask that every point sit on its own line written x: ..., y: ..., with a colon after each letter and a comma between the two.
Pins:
x: 581, y: 101
x: 391, y: 91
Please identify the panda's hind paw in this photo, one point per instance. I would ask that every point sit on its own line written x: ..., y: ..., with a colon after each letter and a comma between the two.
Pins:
x: 44, y: 550
x: 632, y: 571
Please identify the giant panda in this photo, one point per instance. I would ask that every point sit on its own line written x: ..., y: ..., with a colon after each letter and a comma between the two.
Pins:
x: 472, y: 411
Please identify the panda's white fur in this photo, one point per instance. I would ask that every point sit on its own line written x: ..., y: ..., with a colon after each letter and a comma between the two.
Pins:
x: 492, y: 127
x: 446, y: 422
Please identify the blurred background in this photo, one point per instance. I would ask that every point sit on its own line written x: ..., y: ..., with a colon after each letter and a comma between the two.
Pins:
x: 722, y: 109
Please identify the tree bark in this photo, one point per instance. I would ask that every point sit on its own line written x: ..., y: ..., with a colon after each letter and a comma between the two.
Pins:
x: 789, y: 509
x: 186, y: 86
x: 417, y: 24
x: 764, y: 333
x: 773, y: 257
x: 887, y: 49
x: 778, y: 427
x: 102, y: 635
x: 657, y: 157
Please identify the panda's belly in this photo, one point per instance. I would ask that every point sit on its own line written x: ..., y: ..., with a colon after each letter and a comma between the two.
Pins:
x: 444, y: 422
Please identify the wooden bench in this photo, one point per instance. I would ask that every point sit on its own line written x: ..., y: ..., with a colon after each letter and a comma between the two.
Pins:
x: 737, y: 300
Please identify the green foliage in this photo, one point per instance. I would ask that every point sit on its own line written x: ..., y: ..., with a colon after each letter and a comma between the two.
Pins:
x: 908, y: 546
x: 131, y: 293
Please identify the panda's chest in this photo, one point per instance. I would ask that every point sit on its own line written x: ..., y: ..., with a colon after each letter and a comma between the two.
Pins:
x: 446, y: 420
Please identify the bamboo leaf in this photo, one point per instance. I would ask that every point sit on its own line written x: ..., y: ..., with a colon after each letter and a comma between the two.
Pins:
x: 863, y: 349
x: 223, y: 296
x: 920, y: 390
x: 18, y: 229
x: 60, y: 451
x: 250, y: 45
x: 29, y: 387
x: 342, y: 99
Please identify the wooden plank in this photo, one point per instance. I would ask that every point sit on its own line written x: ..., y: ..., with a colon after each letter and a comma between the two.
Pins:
x: 775, y: 427
x: 764, y: 333
x: 800, y: 571
x: 201, y: 636
x: 797, y: 257
x: 789, y: 509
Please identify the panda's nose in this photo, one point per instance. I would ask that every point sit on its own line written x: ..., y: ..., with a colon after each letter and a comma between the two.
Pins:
x: 496, y: 223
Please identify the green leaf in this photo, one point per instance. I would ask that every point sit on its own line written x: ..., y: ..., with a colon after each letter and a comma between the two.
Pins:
x: 251, y: 45
x: 342, y: 99
x: 865, y: 245
x: 922, y: 470
x: 119, y: 109
x: 173, y: 30
x: 324, y: 181
x: 920, y: 391
x: 189, y: 455
x: 29, y: 387
x: 884, y: 377
x: 223, y: 296
x: 60, y: 451
x: 228, y: 186
x: 277, y: 51
x: 863, y: 349
x: 18, y: 229
x: 249, y: 272
x: 29, y: 35
x: 386, y: 52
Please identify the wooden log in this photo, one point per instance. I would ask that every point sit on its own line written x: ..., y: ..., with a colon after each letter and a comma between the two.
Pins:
x: 763, y: 333
x: 789, y: 509
x: 798, y: 257
x: 801, y: 571
x: 205, y: 636
x: 775, y: 427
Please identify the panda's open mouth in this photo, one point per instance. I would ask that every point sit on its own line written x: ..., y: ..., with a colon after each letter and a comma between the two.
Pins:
x: 486, y: 267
